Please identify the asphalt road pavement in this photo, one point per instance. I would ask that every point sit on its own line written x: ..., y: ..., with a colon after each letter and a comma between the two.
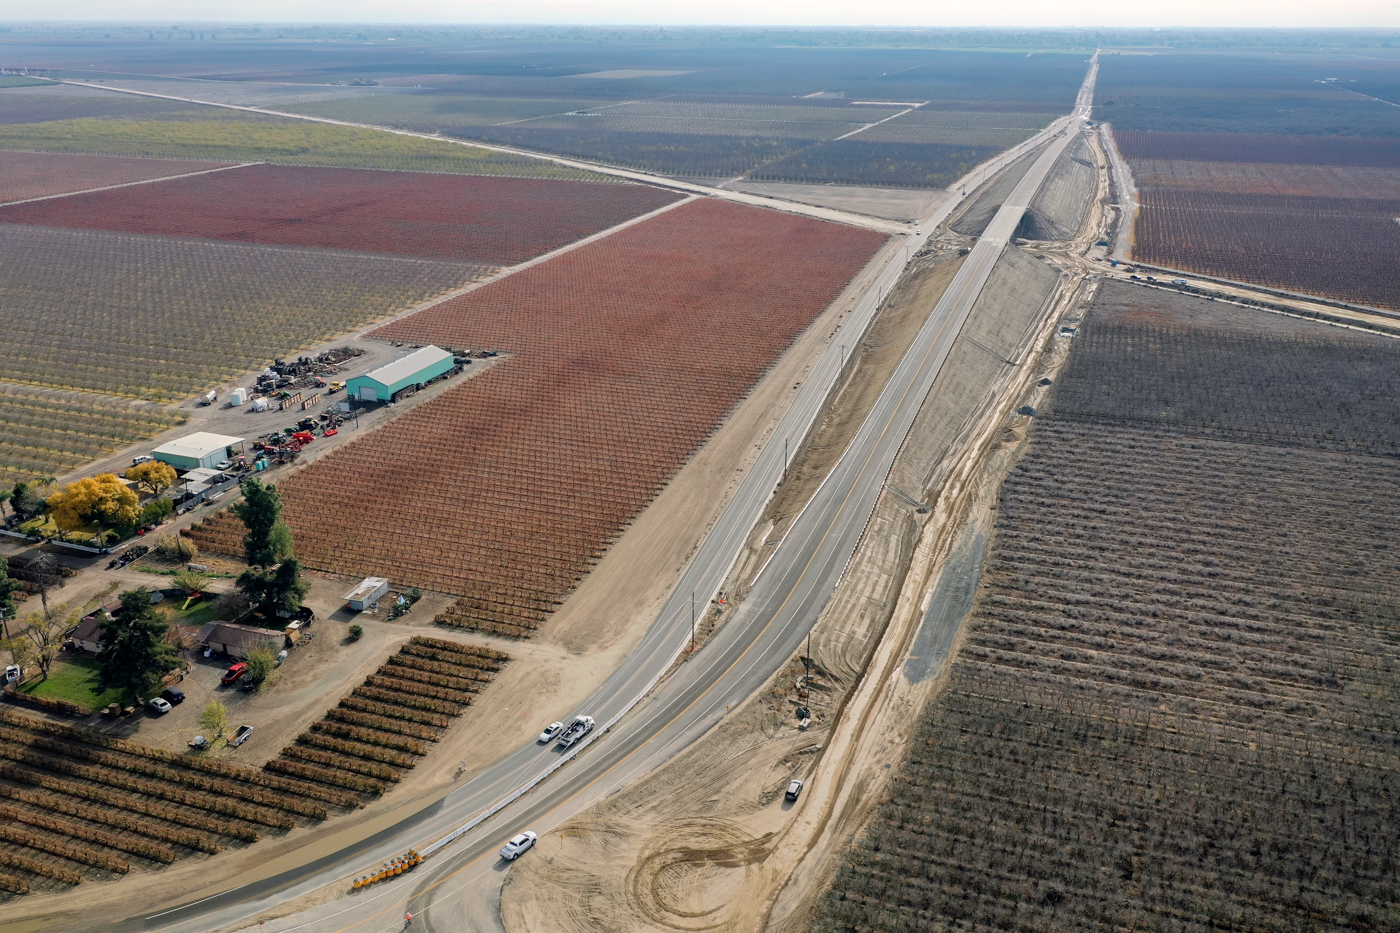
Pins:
x: 641, y: 725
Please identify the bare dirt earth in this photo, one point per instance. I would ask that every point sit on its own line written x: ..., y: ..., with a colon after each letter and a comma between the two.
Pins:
x: 890, y: 203
x: 708, y: 842
x: 578, y: 647
x: 705, y: 842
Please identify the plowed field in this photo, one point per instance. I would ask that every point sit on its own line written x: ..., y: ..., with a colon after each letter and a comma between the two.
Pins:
x: 493, y: 220
x: 39, y: 174
x: 630, y: 351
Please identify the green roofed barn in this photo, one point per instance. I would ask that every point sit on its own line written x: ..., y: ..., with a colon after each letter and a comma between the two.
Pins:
x: 412, y: 371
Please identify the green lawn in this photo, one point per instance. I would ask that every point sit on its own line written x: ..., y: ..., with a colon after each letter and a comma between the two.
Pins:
x: 206, y: 611
x: 74, y: 680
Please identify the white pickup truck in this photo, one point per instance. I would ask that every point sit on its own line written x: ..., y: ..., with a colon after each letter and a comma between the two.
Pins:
x: 581, y: 726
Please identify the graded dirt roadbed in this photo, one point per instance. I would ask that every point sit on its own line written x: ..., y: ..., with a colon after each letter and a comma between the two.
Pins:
x: 737, y: 680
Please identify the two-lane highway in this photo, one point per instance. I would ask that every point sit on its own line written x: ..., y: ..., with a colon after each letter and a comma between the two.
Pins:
x: 640, y: 725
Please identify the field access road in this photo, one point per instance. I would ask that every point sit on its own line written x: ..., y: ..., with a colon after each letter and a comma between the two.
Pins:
x: 537, y: 786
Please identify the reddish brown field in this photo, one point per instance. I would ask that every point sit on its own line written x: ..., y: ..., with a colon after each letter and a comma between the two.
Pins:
x: 1314, y: 215
x: 479, y: 219
x: 630, y: 351
x: 1346, y: 248
x: 1319, y: 181
x: 1259, y: 147
x: 39, y: 174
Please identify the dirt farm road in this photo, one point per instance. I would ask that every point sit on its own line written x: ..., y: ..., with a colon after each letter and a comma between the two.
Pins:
x: 770, y: 625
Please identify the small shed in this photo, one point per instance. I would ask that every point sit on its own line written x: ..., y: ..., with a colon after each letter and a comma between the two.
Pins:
x: 201, y: 449
x: 204, y: 475
x: 364, y: 595
x: 413, y: 370
x: 236, y: 640
x: 85, y: 636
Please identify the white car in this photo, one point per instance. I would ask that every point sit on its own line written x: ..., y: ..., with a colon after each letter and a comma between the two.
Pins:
x: 159, y: 705
x: 550, y: 731
x: 516, y: 847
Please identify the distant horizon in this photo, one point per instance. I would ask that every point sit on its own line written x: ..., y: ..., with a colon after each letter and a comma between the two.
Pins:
x: 822, y: 14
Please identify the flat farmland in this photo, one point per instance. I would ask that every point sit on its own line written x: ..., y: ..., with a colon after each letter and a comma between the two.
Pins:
x: 54, y: 102
x: 1175, y: 706
x: 856, y: 161
x: 219, y: 135
x: 959, y: 127
x: 629, y: 353
x: 159, y: 318
x: 1303, y: 213
x: 496, y: 221
x: 674, y: 153
x: 48, y: 433
x: 82, y: 806
x: 1347, y: 248
x: 389, y: 723
x: 1270, y: 178
x: 37, y: 175
x: 1262, y: 147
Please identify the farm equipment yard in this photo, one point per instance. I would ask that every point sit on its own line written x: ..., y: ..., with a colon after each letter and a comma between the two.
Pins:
x: 892, y: 477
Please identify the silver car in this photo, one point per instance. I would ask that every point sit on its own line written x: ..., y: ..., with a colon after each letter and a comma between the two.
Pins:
x: 518, y: 844
x: 550, y: 731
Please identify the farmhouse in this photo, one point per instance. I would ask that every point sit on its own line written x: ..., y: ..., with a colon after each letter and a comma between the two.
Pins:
x: 413, y: 370
x: 85, y: 636
x: 197, y: 450
x: 236, y: 640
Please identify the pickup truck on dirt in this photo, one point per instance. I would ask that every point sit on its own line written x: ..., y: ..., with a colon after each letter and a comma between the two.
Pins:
x: 581, y: 726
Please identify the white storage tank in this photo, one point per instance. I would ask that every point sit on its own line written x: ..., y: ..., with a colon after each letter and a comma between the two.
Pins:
x: 237, y: 397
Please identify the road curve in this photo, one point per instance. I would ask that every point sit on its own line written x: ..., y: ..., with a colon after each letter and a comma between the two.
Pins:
x: 778, y: 611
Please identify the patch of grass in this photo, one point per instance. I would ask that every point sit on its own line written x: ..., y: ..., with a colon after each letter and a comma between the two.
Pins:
x: 74, y: 680
x: 206, y: 611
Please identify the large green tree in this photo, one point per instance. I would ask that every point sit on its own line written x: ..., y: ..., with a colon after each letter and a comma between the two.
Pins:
x: 134, y: 651
x: 269, y: 540
x: 8, y: 587
x: 275, y: 588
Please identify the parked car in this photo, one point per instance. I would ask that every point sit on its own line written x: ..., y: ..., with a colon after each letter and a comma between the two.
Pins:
x: 794, y: 790
x: 159, y: 705
x: 516, y: 847
x: 240, y: 735
x: 173, y: 695
x: 235, y: 672
x: 137, y: 461
x: 248, y: 684
x: 550, y: 731
x: 223, y: 465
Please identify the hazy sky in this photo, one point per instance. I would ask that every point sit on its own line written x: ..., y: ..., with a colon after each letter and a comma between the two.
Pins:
x: 738, y: 12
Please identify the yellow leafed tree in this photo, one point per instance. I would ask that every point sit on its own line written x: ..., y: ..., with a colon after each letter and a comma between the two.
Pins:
x: 153, y: 475
x: 102, y: 499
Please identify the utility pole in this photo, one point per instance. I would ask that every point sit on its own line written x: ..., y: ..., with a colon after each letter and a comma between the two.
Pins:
x: 692, y: 620
x: 807, y: 661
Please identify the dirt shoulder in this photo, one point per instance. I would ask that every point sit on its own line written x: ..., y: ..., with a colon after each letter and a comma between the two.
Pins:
x: 707, y: 841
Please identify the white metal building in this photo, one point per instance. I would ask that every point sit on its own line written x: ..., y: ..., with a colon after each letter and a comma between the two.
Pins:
x: 197, y: 450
